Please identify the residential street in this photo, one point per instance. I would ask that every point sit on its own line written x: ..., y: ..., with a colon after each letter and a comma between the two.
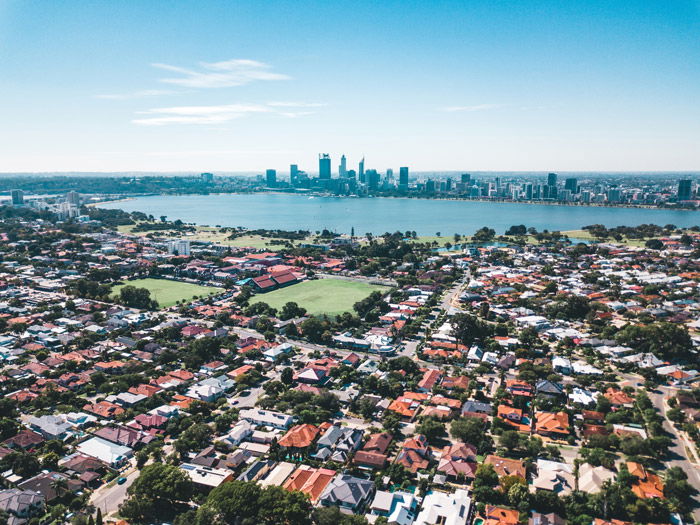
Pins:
x: 108, y: 498
x: 677, y: 452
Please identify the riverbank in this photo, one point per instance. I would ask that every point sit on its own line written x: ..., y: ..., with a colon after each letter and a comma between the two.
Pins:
x: 418, y: 197
x: 378, y: 215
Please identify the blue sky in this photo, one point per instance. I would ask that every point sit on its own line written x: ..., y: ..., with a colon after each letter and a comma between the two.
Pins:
x: 440, y: 85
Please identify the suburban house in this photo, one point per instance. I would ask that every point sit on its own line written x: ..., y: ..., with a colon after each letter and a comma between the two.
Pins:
x: 397, y: 507
x: 347, y: 492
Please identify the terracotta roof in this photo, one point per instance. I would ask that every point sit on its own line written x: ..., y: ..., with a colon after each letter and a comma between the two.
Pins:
x: 310, y: 481
x: 500, y: 516
x: 648, y: 485
x: 552, y: 422
x: 505, y: 466
x: 300, y: 436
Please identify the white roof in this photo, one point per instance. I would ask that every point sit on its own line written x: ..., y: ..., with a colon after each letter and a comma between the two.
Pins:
x: 448, y: 509
x: 211, y: 477
x: 104, y: 450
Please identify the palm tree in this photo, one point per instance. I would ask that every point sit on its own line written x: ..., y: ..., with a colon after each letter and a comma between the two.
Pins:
x: 59, y: 485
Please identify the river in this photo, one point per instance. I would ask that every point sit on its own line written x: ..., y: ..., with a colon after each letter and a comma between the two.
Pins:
x: 379, y: 215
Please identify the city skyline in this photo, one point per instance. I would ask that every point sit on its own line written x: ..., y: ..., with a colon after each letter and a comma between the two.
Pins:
x: 535, y: 86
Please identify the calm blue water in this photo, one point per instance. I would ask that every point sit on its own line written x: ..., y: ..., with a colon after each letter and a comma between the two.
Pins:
x: 379, y: 215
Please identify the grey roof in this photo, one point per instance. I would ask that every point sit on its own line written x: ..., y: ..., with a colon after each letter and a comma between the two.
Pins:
x: 347, y: 490
x: 476, y: 406
x: 19, y: 502
x: 50, y: 425
x: 549, y: 387
x: 340, y: 438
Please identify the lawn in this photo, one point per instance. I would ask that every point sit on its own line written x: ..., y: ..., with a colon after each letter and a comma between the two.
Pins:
x: 168, y: 292
x: 214, y: 235
x: 586, y: 236
x: 322, y: 296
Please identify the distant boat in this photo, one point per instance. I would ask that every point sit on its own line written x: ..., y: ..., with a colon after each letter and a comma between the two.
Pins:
x: 312, y: 197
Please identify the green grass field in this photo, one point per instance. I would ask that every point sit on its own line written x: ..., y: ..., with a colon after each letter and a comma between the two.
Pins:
x: 168, y: 292
x: 322, y: 296
x: 215, y: 235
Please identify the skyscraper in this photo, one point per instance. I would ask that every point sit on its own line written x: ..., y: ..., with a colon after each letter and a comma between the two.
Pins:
x: 372, y: 179
x: 343, y: 168
x: 293, y: 174
x: 17, y: 197
x: 73, y: 197
x: 403, y: 177
x: 324, y: 166
x: 685, y: 190
x: 361, y: 171
x: 466, y: 178
x: 271, y: 178
x: 571, y: 184
x: 552, y: 186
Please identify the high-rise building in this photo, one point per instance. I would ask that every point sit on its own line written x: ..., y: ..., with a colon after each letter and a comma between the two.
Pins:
x: 372, y: 179
x: 179, y: 247
x: 685, y: 190
x: 73, y: 197
x: 271, y: 178
x: 403, y: 177
x: 448, y: 184
x: 17, y: 197
x: 551, y: 186
x: 207, y: 177
x: 343, y: 168
x: 571, y: 184
x: 430, y: 186
x: 528, y: 190
x: 324, y: 166
x: 293, y: 174
x: 466, y: 178
x: 361, y: 171
x: 614, y: 195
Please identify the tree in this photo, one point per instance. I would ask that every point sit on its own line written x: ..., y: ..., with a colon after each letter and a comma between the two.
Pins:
x: 287, y: 375
x: 654, y: 244
x: 510, y: 440
x: 432, y: 429
x: 291, y: 310
x: 665, y: 340
x: 485, y: 481
x: 247, y: 502
x: 134, y: 297
x: 470, y: 430
x: 157, y: 493
x: 468, y: 329
x: 333, y: 516
x: 484, y: 234
x: 519, y: 496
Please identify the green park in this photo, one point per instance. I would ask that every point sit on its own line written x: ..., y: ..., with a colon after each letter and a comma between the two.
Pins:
x: 168, y: 292
x: 322, y: 296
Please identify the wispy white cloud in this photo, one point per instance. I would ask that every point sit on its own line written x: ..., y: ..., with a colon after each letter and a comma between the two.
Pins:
x: 210, y: 114
x: 235, y: 72
x: 296, y: 114
x: 470, y: 109
x: 296, y: 104
x: 146, y: 93
x: 198, y: 114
